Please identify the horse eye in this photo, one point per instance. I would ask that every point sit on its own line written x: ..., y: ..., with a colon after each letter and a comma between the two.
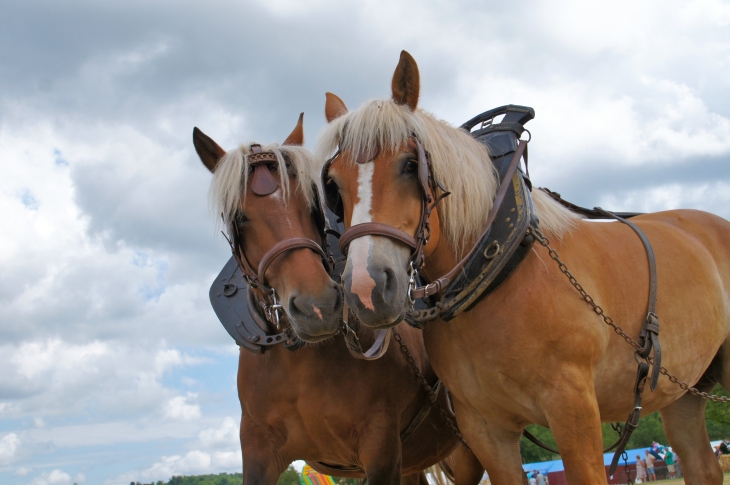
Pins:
x: 411, y: 166
x: 240, y: 218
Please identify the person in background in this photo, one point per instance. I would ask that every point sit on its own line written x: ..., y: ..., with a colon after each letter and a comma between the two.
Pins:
x: 678, y: 465
x: 724, y: 448
x: 541, y: 478
x: 669, y: 460
x: 650, y: 466
x: 533, y: 480
x: 640, y: 469
x: 655, y: 450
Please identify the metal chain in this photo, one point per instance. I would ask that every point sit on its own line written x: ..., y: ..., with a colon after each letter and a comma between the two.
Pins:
x: 429, y: 389
x: 544, y: 241
x: 627, y: 469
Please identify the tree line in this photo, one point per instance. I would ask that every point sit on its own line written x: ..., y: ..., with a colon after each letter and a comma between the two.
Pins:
x: 717, y: 418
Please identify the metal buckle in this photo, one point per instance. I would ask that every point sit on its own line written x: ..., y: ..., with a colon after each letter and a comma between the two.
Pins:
x: 412, y: 274
x: 272, y: 311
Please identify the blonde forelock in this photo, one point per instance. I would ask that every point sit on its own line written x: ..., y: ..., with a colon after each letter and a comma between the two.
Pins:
x: 232, y: 171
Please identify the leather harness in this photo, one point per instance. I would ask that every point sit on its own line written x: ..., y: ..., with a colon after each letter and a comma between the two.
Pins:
x: 499, y: 250
x: 503, y: 244
x: 490, y: 261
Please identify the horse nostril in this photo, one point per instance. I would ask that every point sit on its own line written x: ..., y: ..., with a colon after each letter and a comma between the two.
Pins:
x: 390, y: 286
x: 294, y: 309
x: 338, y: 300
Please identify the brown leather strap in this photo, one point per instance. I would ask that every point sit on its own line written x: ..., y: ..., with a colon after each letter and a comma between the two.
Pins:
x: 422, y: 414
x: 649, y: 336
x: 262, y: 183
x: 441, y: 283
x: 352, y: 342
x: 375, y: 229
x: 283, y: 247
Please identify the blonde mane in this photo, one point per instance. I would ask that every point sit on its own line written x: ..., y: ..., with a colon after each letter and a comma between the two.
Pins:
x: 231, y: 176
x: 460, y: 162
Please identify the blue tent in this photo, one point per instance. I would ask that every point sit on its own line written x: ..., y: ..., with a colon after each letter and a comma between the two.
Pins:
x: 546, y: 467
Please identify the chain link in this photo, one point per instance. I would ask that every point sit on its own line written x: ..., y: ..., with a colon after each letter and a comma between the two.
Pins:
x: 429, y: 389
x: 627, y: 469
x: 544, y: 241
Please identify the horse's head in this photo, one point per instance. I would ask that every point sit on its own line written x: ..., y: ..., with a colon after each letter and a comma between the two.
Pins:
x: 270, y: 205
x: 378, y: 176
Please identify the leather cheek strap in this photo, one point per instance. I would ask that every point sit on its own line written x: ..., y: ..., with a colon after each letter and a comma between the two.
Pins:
x: 375, y: 229
x: 286, y: 246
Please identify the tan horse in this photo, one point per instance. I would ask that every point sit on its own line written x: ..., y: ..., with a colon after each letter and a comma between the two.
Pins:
x: 533, y: 351
x: 343, y: 416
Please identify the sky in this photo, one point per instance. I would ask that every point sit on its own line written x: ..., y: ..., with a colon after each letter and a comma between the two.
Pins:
x: 113, y: 366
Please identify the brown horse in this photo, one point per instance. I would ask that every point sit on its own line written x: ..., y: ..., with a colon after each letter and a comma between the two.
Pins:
x: 343, y: 416
x: 532, y: 351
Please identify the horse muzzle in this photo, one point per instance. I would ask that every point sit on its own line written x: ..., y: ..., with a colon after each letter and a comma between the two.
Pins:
x: 315, y: 317
x: 375, y: 286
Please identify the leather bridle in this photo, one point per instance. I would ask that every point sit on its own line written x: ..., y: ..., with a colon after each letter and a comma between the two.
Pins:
x: 432, y: 192
x: 264, y: 184
x: 429, y: 187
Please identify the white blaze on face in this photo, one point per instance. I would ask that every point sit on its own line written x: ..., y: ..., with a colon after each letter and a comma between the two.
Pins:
x: 362, y: 283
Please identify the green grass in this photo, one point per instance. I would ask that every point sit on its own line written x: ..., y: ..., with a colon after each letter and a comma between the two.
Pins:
x: 680, y: 481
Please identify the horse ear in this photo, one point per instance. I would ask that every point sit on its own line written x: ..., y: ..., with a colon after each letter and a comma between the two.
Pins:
x: 208, y: 150
x: 406, y: 84
x: 334, y: 107
x: 297, y: 136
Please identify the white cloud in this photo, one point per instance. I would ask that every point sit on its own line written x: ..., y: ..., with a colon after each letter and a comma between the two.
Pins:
x: 8, y: 448
x: 22, y: 471
x: 34, y: 358
x: 225, y: 436
x: 179, y: 408
x: 195, y: 462
x: 56, y: 477
x: 712, y: 197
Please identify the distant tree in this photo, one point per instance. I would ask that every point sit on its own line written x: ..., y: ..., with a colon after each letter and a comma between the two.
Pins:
x: 531, y: 452
x: 717, y: 416
x: 290, y: 477
x: 346, y: 481
x: 650, y: 429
